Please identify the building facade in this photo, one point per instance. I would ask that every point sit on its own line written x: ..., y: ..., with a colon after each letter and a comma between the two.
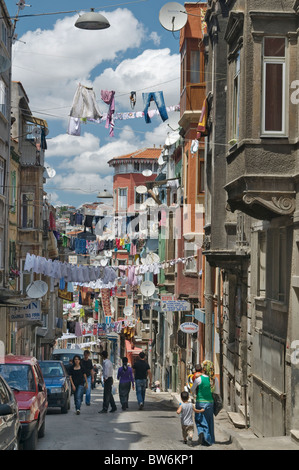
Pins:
x: 252, y: 197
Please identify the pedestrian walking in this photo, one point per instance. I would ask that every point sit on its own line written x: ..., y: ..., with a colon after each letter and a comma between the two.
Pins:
x: 108, y: 383
x: 141, y: 373
x: 204, y: 400
x: 87, y: 365
x: 125, y: 377
x: 78, y: 381
x: 186, y: 410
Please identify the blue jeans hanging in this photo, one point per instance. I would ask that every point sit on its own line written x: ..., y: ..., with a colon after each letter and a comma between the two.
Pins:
x: 157, y: 97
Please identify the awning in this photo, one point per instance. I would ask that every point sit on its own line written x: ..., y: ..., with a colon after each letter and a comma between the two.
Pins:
x: 35, y: 120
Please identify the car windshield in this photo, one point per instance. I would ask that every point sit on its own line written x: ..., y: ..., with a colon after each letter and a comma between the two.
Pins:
x: 64, y: 357
x: 18, y: 376
x: 51, y: 369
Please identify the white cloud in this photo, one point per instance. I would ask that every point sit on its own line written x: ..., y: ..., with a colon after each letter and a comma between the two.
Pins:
x: 66, y: 145
x: 155, y: 38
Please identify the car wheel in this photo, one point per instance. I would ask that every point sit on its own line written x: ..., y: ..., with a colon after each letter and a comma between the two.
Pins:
x: 31, y: 442
x: 41, y: 431
x: 65, y: 407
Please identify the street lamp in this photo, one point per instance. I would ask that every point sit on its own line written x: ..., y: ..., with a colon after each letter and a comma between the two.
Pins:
x: 92, y: 21
x: 104, y: 195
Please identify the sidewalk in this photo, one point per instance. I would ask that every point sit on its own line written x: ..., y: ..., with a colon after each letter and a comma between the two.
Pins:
x: 244, y: 439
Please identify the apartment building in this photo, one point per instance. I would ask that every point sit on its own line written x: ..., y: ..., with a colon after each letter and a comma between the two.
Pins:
x: 251, y: 205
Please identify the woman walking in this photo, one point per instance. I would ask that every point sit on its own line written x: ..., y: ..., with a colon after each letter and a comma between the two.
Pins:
x: 125, y: 377
x: 78, y: 380
x: 204, y: 400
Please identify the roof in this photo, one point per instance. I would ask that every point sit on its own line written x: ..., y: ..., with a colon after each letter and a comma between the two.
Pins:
x: 11, y: 359
x: 145, y: 153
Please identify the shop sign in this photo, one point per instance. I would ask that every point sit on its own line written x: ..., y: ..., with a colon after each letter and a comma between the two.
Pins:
x: 176, y: 306
x: 30, y: 313
x: 189, y: 327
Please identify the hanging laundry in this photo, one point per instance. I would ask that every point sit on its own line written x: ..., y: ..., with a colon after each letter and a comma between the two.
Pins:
x: 74, y: 126
x: 158, y: 98
x: 202, y: 125
x: 43, y: 142
x: 133, y: 99
x: 84, y: 104
x: 108, y: 98
x: 194, y: 146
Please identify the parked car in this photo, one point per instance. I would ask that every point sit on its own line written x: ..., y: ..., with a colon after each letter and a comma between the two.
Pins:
x: 24, y: 376
x: 10, y: 426
x: 66, y: 355
x: 58, y: 384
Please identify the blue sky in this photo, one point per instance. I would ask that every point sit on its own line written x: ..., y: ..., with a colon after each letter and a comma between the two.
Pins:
x: 51, y: 57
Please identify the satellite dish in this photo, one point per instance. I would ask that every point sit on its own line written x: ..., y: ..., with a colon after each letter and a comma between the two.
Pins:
x: 141, y: 189
x: 172, y: 138
x: 147, y: 288
x: 128, y: 311
x: 36, y: 132
x: 37, y: 289
x: 173, y: 16
x: 147, y: 172
x: 4, y: 63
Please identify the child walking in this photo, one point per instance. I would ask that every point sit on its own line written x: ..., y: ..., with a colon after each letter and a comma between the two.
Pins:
x: 186, y: 410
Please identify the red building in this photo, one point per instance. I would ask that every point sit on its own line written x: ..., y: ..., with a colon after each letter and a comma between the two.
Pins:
x: 128, y: 175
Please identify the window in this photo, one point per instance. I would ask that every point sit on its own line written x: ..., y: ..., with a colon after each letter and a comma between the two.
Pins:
x: 261, y: 287
x: 2, y: 173
x: 194, y: 66
x: 274, y: 85
x: 26, y: 278
x: 13, y: 192
x: 278, y: 241
x: 139, y: 198
x: 186, y: 176
x: 189, y: 250
x: 27, y: 210
x: 122, y: 199
x: 236, y: 98
x: 3, y: 98
x: 200, y: 174
x: 183, y: 68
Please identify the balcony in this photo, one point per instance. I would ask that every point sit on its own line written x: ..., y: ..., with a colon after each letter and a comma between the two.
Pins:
x: 261, y: 179
x: 192, y: 98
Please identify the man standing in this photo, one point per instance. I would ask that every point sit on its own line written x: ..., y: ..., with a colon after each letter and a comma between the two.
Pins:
x: 108, y: 382
x: 141, y: 372
x: 87, y: 366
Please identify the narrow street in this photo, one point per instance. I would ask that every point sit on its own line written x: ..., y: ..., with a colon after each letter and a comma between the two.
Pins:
x: 156, y: 427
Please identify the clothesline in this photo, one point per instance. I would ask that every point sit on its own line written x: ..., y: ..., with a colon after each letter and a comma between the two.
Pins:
x: 74, y: 126
x: 95, y: 276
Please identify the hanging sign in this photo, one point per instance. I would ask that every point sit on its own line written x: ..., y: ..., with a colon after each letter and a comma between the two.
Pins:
x: 176, y: 306
x: 189, y: 327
